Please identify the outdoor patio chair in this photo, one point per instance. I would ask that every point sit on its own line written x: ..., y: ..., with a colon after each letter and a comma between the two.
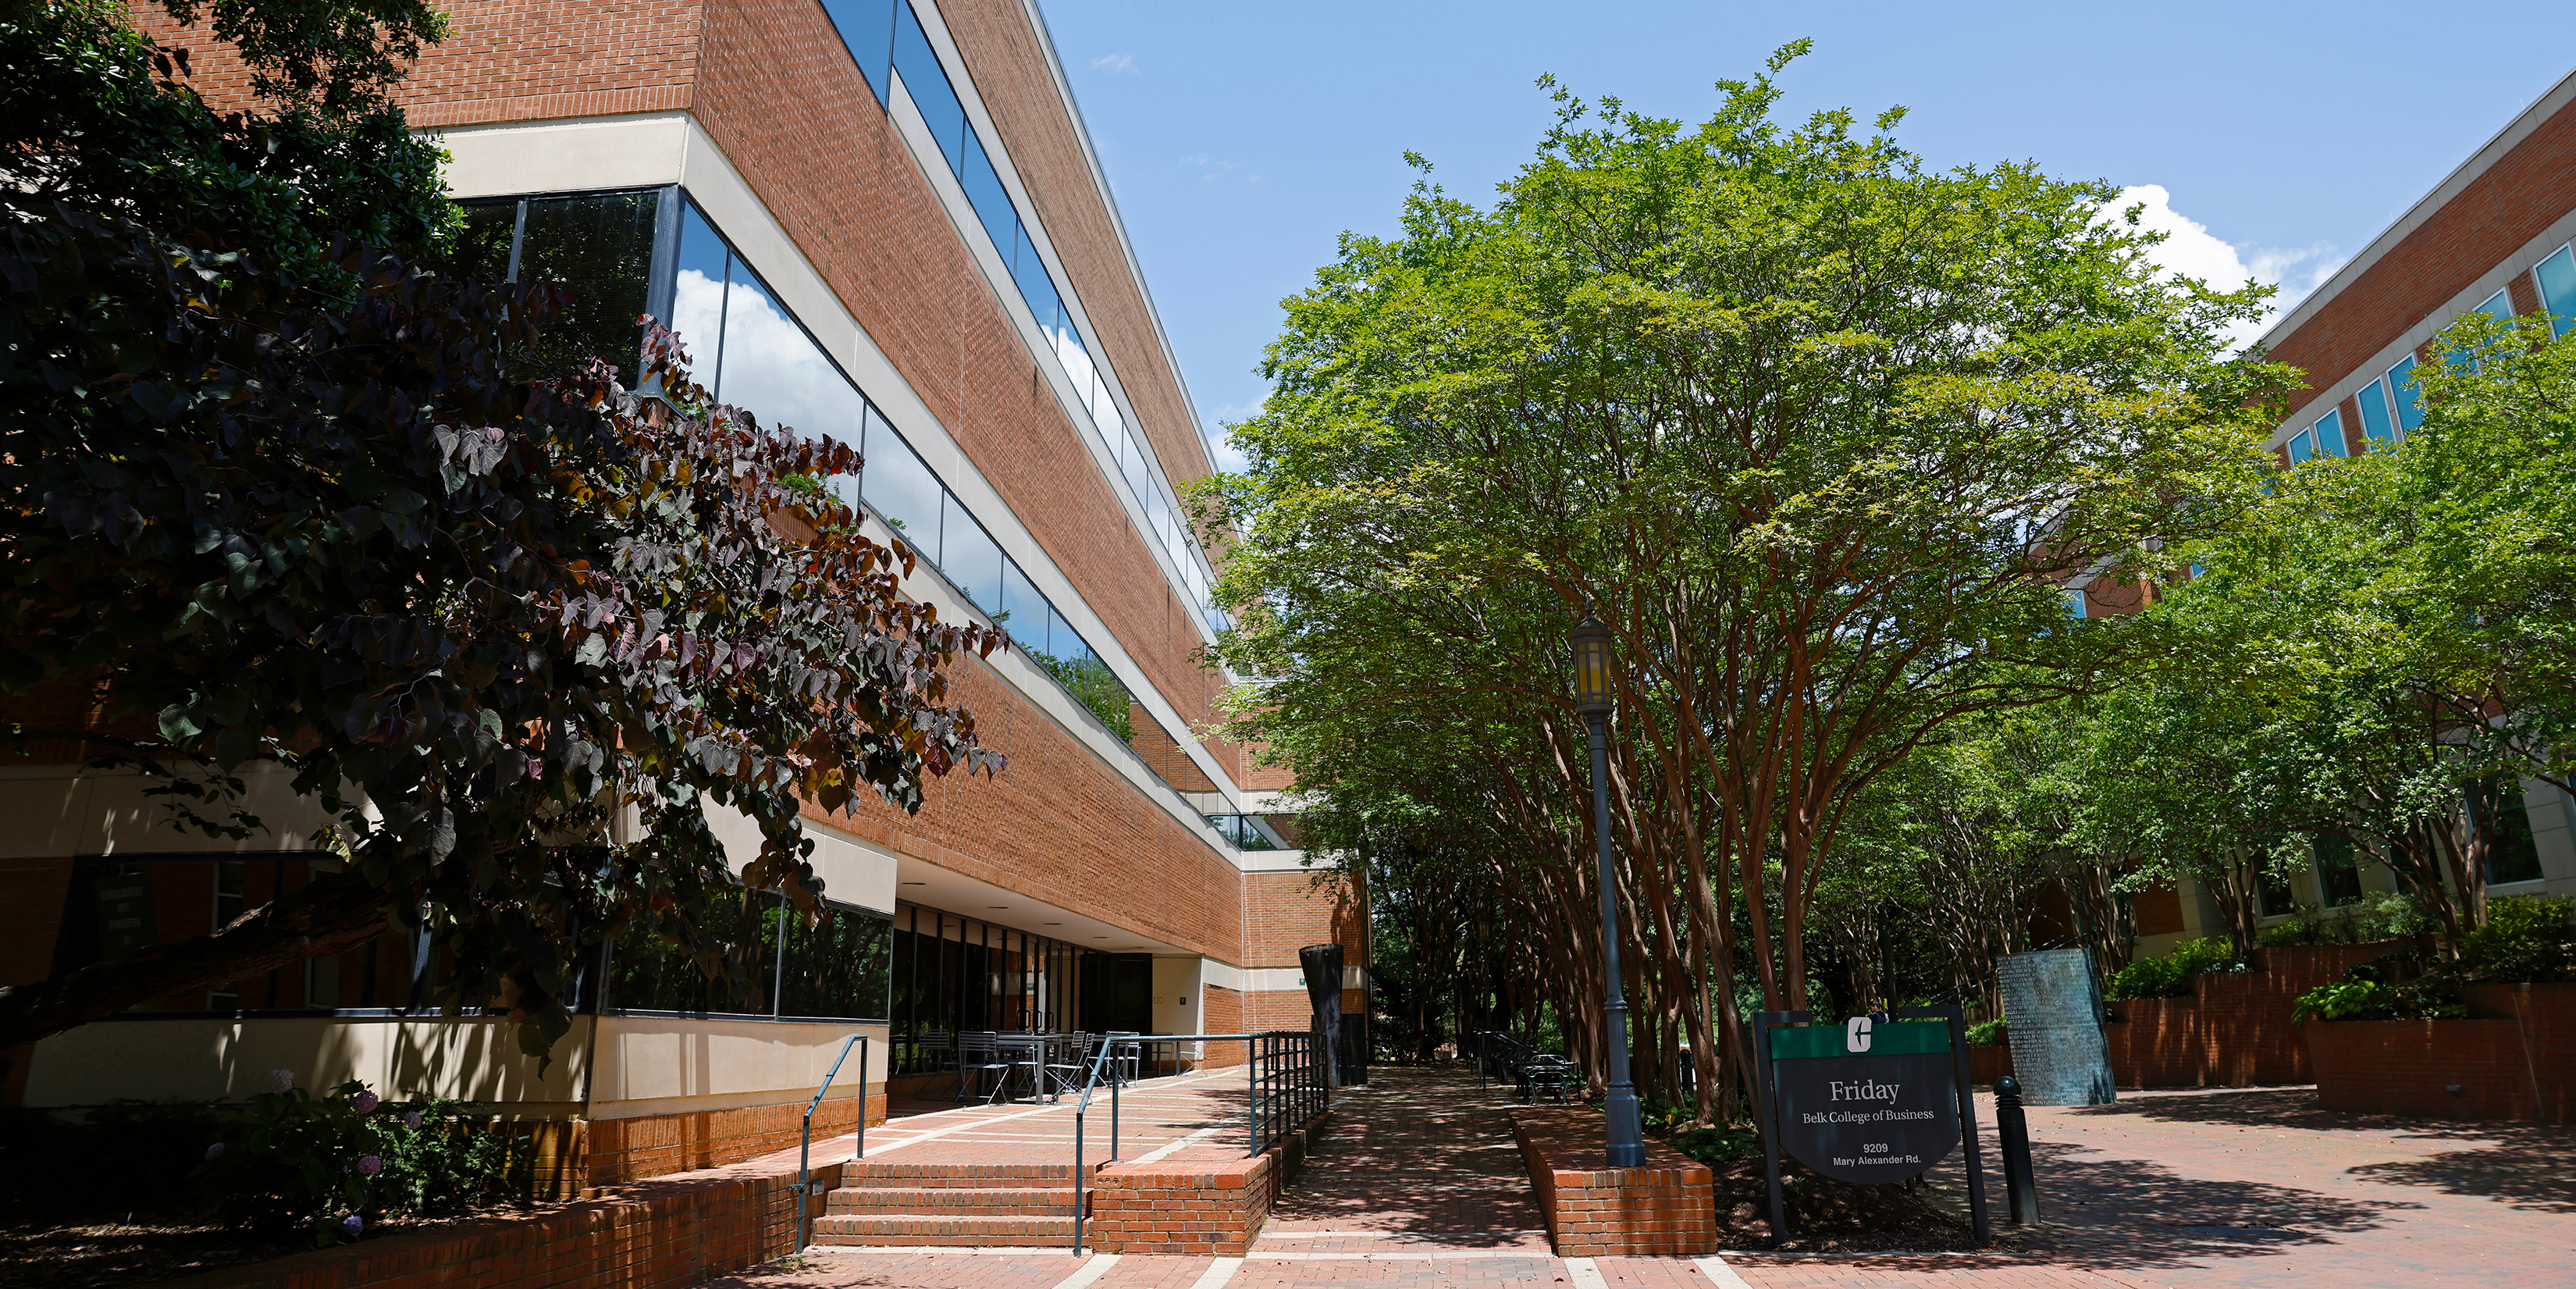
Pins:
x: 1071, y: 1063
x: 981, y: 1067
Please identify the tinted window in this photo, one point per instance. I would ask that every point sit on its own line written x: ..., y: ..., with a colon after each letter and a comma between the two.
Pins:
x: 2329, y: 429
x: 2373, y: 400
x: 1038, y: 289
x: 775, y: 370
x: 969, y: 557
x: 928, y: 85
x: 483, y: 248
x: 902, y: 489
x: 867, y: 30
x: 1024, y: 612
x: 2557, y: 278
x: 600, y: 249
x: 697, y: 297
x: 2401, y: 390
x: 991, y: 200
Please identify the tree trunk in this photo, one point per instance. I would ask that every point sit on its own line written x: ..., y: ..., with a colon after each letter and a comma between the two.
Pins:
x: 332, y: 913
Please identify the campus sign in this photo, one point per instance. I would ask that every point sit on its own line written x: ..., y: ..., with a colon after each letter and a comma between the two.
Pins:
x: 1875, y: 1099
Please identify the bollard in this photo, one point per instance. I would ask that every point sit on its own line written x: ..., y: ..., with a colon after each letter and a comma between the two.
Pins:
x: 2012, y: 1128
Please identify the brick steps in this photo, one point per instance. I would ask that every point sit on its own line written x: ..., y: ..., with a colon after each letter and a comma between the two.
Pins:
x: 894, y: 1229
x: 890, y: 1204
x: 952, y: 1201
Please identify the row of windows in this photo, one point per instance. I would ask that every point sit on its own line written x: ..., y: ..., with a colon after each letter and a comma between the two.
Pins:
x: 746, y: 347
x: 883, y: 33
x: 2389, y: 405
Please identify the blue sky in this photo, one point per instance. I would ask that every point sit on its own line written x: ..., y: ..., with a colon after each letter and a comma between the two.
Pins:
x: 1242, y: 139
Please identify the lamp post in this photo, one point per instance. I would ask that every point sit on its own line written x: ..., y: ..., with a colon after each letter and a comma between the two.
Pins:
x: 1595, y: 693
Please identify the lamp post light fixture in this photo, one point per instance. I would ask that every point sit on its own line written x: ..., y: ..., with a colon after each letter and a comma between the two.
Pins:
x: 1596, y: 692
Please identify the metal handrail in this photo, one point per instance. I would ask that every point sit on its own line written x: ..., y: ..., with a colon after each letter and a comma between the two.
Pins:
x: 1099, y: 1062
x: 805, y: 1144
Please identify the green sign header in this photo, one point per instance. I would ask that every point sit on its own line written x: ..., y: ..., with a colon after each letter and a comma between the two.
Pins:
x: 1860, y: 1037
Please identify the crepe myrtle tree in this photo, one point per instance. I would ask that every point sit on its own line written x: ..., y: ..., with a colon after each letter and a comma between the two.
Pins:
x: 477, y: 617
x: 1816, y: 429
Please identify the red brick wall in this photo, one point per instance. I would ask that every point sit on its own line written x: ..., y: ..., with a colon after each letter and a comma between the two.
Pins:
x: 1202, y: 1208
x: 2234, y: 1031
x: 2509, y: 1064
x: 2527, y: 189
x: 1667, y: 1207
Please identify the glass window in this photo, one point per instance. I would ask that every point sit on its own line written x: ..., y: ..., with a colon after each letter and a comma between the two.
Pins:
x: 1158, y: 514
x: 927, y: 83
x: 867, y: 29
x: 1028, y: 268
x: 969, y: 557
x: 483, y: 249
x: 2499, y: 305
x: 2375, y: 422
x: 2557, y: 279
x: 2075, y: 601
x: 647, y: 973
x: 2513, y: 855
x: 775, y: 370
x: 599, y: 247
x: 2302, y: 446
x: 992, y: 202
x: 902, y: 489
x: 1140, y: 476
x: 2338, y: 877
x: 1024, y: 611
x: 698, y: 296
x: 838, y: 968
x: 2329, y: 428
x: 2402, y: 391
x: 1062, y: 641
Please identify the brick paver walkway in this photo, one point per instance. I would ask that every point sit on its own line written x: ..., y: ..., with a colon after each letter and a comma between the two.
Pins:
x: 1412, y: 1187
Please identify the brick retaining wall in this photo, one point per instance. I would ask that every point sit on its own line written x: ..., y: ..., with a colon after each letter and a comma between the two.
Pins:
x: 1198, y: 1207
x: 2234, y: 1030
x: 2509, y: 1062
x: 678, y: 1230
x: 1669, y: 1206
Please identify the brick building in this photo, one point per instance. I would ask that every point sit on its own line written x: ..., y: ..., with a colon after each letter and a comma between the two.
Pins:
x: 880, y: 219
x: 2494, y: 236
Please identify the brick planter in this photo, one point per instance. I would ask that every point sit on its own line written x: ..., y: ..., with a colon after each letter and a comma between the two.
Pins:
x: 1669, y: 1206
x: 2508, y: 1062
x: 1202, y: 1207
x: 671, y: 1231
x: 2234, y: 1031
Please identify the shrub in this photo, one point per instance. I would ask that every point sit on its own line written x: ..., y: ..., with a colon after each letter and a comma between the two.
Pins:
x: 341, y: 1162
x: 2170, y: 976
x: 1987, y: 1033
x: 2380, y: 915
x: 2526, y: 938
x: 1717, y: 1146
x: 2377, y: 1000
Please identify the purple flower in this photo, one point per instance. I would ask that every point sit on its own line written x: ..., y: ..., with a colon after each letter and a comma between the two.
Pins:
x: 214, y: 1152
x: 280, y: 1080
x: 412, y: 1120
x: 352, y: 1224
x: 366, y: 1102
x: 371, y: 1164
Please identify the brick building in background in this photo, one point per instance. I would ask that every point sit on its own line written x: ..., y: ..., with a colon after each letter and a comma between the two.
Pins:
x: 2493, y: 236
x: 878, y: 219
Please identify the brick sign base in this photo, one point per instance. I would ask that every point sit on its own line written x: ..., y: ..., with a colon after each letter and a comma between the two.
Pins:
x: 1667, y: 1207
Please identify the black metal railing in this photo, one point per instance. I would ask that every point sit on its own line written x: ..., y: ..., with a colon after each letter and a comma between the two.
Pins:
x: 1287, y: 1083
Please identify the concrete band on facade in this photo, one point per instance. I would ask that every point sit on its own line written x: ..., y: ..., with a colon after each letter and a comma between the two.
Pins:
x: 755, y: 111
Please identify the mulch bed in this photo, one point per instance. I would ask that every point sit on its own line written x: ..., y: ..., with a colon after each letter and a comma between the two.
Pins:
x: 1827, y: 1216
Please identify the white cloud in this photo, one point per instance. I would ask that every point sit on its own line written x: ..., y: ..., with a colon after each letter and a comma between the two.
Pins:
x: 1211, y: 169
x: 2191, y: 250
x: 1222, y: 452
x: 1114, y: 63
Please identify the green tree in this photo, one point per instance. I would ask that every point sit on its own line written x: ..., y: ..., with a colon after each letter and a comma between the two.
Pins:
x: 1812, y: 427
